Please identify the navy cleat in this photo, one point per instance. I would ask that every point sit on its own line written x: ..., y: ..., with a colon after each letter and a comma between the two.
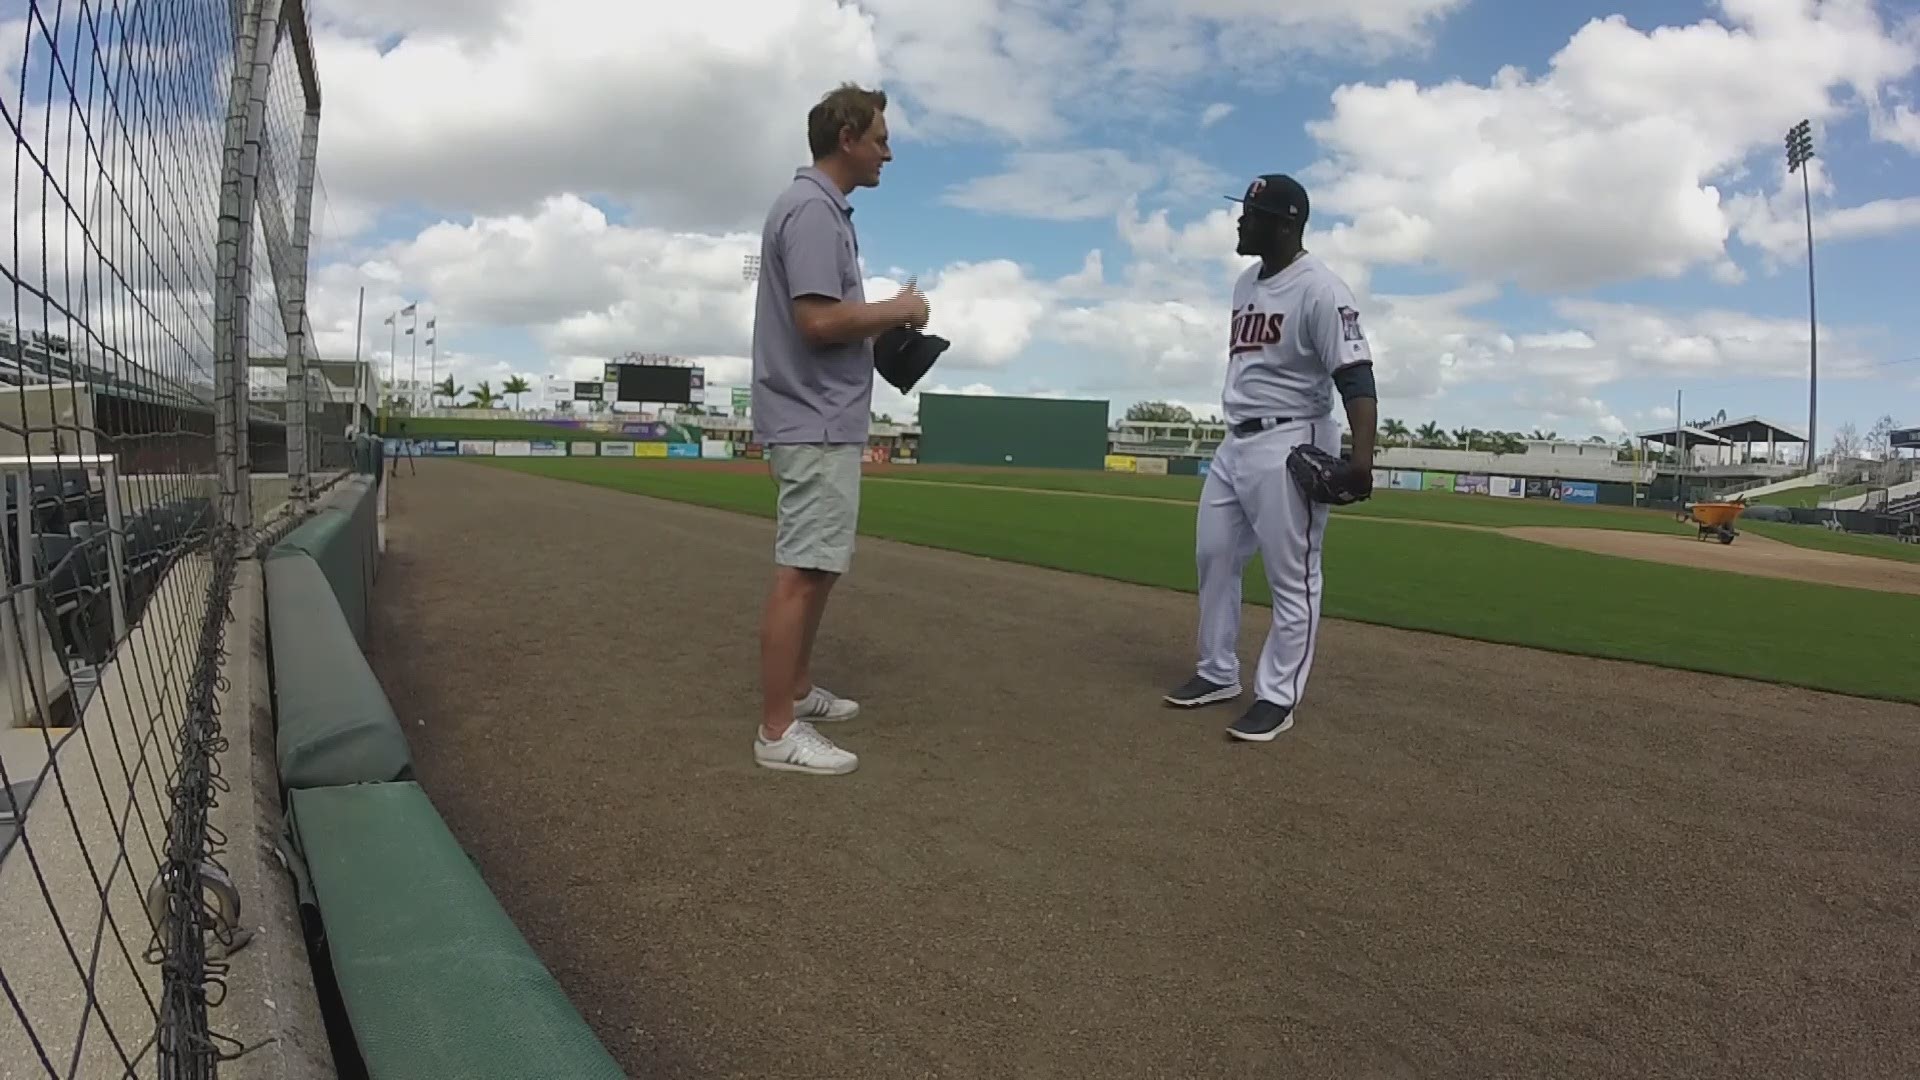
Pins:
x: 1262, y: 721
x: 1198, y: 691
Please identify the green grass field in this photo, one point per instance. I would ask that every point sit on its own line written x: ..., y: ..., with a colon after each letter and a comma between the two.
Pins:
x: 1443, y: 507
x: 1454, y: 581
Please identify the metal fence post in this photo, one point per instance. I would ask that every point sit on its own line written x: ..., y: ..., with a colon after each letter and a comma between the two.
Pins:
x: 299, y: 465
x: 233, y: 301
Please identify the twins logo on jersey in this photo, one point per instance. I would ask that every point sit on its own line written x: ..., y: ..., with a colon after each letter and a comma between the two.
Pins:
x: 1254, y: 330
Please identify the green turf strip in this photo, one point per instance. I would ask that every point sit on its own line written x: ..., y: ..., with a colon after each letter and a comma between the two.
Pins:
x: 1452, y: 581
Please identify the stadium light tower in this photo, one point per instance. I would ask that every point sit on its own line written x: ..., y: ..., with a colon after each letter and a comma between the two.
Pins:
x: 750, y: 268
x: 1799, y: 152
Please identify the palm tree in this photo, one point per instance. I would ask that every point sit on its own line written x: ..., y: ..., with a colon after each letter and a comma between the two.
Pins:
x: 448, y: 390
x: 1395, y: 429
x: 1544, y: 436
x: 1431, y: 434
x: 483, y: 395
x: 516, y: 386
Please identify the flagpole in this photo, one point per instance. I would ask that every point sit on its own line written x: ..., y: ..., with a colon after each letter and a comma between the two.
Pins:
x: 413, y: 376
x: 433, y: 359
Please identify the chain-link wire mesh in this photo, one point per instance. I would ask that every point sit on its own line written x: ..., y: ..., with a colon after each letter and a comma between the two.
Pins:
x: 160, y: 152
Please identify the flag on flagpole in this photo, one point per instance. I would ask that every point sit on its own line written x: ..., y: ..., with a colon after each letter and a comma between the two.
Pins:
x: 388, y: 321
x: 409, y: 331
x: 408, y: 310
x: 431, y: 321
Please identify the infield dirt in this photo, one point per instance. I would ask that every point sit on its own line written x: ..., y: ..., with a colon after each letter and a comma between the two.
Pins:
x: 1466, y: 860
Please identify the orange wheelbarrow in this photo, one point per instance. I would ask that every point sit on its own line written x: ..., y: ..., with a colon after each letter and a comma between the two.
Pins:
x: 1715, y: 519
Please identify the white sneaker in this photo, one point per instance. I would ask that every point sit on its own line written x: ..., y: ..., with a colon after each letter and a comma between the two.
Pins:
x: 802, y: 749
x: 821, y: 705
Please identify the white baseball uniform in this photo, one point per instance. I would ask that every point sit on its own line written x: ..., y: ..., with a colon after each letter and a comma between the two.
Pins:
x: 1290, y: 333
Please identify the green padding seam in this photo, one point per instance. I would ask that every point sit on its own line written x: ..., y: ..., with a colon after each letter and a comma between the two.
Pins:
x: 436, y: 979
x: 344, y: 540
x: 336, y: 724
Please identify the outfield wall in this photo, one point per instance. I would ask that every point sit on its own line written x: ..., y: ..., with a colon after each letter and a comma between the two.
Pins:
x: 430, y: 978
x: 1036, y: 433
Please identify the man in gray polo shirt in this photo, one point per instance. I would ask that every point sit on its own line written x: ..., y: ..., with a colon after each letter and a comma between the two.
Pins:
x: 813, y: 331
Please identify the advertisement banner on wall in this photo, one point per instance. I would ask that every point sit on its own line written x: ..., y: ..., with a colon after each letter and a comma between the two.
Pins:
x: 1206, y: 467
x: 546, y: 448
x: 878, y: 455
x: 616, y: 449
x: 476, y: 447
x: 1150, y: 466
x: 1506, y: 487
x: 1539, y: 489
x: 1579, y: 491
x: 441, y: 448
x: 1438, y: 481
x: 512, y: 448
x: 683, y: 450
x: 650, y: 449
x: 1406, y: 480
x: 1469, y: 484
x: 1121, y: 463
x: 584, y: 449
x: 716, y: 449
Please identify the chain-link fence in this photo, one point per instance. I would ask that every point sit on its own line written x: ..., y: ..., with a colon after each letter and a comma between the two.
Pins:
x: 161, y: 181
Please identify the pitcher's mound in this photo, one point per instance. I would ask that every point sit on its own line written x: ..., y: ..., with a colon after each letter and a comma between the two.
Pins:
x: 1748, y: 554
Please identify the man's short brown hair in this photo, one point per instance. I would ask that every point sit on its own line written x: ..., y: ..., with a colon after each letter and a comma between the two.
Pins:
x: 845, y: 106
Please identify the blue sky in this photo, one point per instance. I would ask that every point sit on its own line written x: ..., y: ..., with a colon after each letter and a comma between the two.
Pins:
x: 1556, y: 216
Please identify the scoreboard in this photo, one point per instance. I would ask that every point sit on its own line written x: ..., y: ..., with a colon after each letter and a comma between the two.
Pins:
x: 656, y: 382
x: 1907, y: 439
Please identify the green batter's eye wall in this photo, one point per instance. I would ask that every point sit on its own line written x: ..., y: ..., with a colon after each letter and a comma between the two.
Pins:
x: 1031, y: 433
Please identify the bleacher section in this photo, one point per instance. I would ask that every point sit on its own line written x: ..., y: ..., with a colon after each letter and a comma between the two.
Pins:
x: 434, y: 979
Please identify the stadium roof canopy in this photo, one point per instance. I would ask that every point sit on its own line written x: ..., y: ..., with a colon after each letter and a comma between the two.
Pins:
x: 1753, y: 429
x: 1695, y: 437
x: 1747, y: 429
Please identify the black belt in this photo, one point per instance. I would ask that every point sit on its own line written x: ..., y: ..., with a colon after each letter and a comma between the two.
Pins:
x: 1260, y: 424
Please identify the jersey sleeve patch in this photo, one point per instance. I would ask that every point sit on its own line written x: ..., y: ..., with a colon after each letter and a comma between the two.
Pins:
x: 1350, y: 325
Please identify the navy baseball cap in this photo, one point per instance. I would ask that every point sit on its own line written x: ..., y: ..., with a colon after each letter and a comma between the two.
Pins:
x: 1277, y: 194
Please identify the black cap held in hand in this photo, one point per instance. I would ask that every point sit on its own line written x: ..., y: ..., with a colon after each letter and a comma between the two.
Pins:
x: 903, y: 355
x: 1277, y: 194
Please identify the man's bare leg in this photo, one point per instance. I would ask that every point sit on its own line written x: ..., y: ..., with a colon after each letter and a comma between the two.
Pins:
x: 788, y: 626
x: 816, y: 608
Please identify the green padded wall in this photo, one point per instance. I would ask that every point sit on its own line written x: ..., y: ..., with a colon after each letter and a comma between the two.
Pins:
x: 344, y: 539
x: 437, y: 981
x: 1035, y: 433
x: 336, y: 725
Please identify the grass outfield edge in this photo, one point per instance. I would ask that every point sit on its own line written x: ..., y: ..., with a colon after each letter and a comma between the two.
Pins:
x: 1392, y: 624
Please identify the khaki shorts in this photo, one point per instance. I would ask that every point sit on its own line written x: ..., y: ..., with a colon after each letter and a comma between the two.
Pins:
x: 818, y: 511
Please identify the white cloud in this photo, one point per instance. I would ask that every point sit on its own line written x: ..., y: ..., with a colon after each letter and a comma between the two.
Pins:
x: 1076, y: 185
x: 693, y: 114
x: 1776, y: 223
x: 1609, y: 166
x: 1215, y: 113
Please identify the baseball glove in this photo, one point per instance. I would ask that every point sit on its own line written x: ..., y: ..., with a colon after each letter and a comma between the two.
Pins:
x: 1328, y: 479
x: 902, y: 355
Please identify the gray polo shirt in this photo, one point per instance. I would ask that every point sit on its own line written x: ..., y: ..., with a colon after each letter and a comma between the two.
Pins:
x: 801, y: 393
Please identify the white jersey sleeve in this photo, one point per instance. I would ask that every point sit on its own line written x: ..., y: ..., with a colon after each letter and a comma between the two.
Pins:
x: 1333, y: 325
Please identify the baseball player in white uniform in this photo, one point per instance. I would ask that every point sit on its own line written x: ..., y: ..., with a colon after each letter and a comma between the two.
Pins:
x: 1295, y: 341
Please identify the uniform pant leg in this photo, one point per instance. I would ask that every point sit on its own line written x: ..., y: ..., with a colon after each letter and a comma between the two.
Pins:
x: 1291, y: 530
x: 1223, y: 542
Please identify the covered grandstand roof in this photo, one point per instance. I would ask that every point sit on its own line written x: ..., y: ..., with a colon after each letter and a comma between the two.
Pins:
x: 1754, y: 429
x: 1671, y: 437
x: 1747, y: 429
